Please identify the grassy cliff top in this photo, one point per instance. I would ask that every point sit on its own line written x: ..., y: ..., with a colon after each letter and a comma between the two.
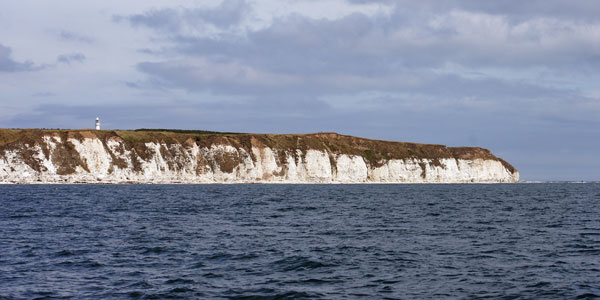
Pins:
x: 374, y: 151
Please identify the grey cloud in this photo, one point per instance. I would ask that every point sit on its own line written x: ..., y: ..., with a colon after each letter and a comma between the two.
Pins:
x: 517, y: 10
x: 399, y: 54
x: 234, y: 78
x: 131, y: 84
x: 164, y: 19
x: 576, y: 9
x: 148, y: 51
x: 298, y: 44
x: 371, y: 1
x: 229, y: 13
x: 44, y: 94
x: 74, y: 37
x: 69, y: 58
x: 217, y: 78
x: 7, y: 64
x: 358, y: 44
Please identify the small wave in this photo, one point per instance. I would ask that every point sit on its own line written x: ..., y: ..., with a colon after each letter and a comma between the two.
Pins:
x: 589, y: 233
x: 135, y: 273
x: 181, y: 290
x: 297, y: 208
x: 386, y: 289
x: 135, y: 295
x: 588, y: 296
x: 176, y: 293
x: 219, y: 256
x: 154, y: 250
x: 298, y: 263
x: 539, y: 284
x: 198, y: 265
x: 212, y: 275
x: 222, y: 256
x: 88, y: 263
x: 270, y: 294
x: 275, y: 199
x: 314, y: 281
x: 386, y: 281
x: 180, y: 281
x: 65, y: 253
x: 580, y: 246
x: 18, y: 217
x: 141, y: 284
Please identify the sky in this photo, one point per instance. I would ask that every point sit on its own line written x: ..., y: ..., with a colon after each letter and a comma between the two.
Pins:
x: 519, y: 78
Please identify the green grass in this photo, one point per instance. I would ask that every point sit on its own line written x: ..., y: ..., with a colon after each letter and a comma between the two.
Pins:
x: 185, y: 131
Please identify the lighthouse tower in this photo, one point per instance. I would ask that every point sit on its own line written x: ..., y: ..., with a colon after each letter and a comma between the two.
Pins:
x: 97, y: 123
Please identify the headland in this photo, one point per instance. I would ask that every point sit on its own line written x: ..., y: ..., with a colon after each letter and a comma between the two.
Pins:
x: 195, y: 156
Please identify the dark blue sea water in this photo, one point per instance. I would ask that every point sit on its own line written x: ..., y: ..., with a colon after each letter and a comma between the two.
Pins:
x: 514, y: 241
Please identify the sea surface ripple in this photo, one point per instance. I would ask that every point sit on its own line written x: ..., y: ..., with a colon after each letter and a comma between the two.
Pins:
x: 498, y: 241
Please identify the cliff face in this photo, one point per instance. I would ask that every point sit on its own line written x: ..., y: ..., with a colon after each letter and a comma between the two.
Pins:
x: 80, y: 156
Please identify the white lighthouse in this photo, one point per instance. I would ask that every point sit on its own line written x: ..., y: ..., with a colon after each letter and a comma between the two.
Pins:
x: 97, y: 123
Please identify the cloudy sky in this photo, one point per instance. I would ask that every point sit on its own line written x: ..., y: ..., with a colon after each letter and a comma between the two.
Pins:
x: 519, y: 78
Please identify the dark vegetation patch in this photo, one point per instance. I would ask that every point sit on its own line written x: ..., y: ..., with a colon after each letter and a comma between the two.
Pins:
x: 135, y: 162
x: 116, y: 161
x: 227, y: 161
x: 282, y: 157
x: 437, y: 163
x: 136, y: 142
x: 423, y: 169
x: 23, y: 142
x: 27, y: 155
x: 203, y: 165
x: 333, y: 164
x: 283, y: 165
x: 173, y: 156
x: 164, y: 152
x: 66, y: 158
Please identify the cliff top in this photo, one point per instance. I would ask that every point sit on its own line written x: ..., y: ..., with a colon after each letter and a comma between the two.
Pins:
x: 374, y: 151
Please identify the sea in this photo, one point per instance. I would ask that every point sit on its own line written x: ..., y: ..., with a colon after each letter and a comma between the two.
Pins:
x: 446, y: 241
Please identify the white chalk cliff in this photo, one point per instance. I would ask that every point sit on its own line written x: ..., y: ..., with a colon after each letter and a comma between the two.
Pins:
x: 88, y: 158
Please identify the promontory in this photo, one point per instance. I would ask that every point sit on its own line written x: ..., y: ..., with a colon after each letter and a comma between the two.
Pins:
x: 193, y: 156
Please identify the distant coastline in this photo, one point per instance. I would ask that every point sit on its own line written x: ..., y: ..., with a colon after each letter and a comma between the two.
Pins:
x: 196, y: 156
